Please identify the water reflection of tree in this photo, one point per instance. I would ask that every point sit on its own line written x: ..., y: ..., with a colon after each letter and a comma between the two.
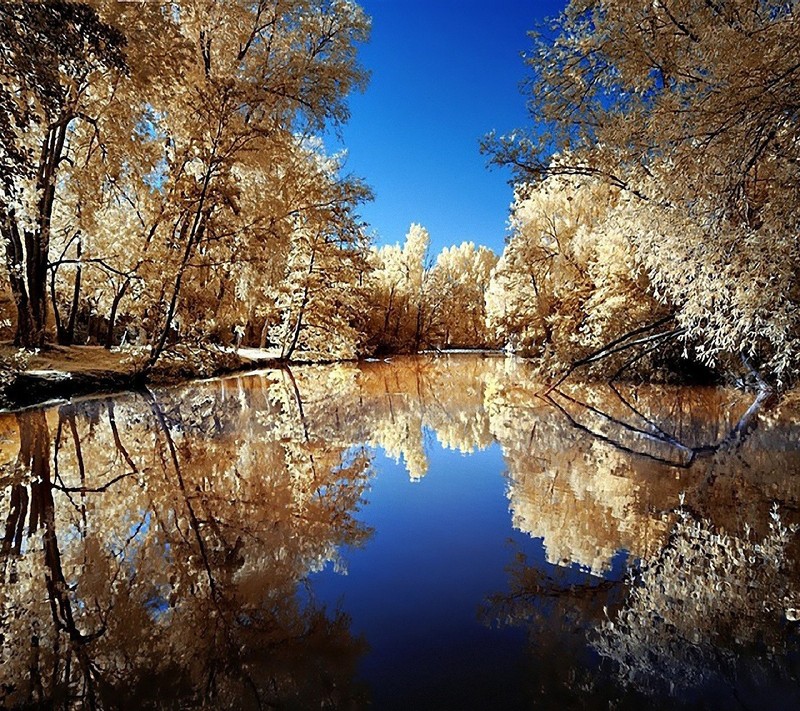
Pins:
x: 142, y: 523
x: 593, y: 489
x: 403, y: 399
x: 654, y: 438
x: 706, y: 620
x: 710, y: 618
x: 558, y: 607
x: 152, y: 552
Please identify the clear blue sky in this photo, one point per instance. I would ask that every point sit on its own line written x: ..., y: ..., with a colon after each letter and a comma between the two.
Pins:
x: 444, y: 73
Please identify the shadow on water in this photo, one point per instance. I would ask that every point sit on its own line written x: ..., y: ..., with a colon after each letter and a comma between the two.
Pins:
x: 159, y: 550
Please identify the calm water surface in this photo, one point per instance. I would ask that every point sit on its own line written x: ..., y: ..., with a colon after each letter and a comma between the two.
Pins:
x: 425, y: 533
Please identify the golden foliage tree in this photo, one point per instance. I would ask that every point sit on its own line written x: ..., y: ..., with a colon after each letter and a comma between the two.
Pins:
x: 416, y: 303
x: 188, y: 161
x: 57, y: 58
x: 691, y: 108
x: 568, y: 280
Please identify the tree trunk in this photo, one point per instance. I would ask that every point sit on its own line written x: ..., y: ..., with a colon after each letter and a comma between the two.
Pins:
x: 287, y: 353
x: 37, y: 242
x: 37, y: 247
x: 112, y: 316
x: 15, y: 262
x: 418, y: 327
x: 54, y: 305
x: 193, y: 234
x: 69, y: 334
x: 387, y: 316
x: 27, y: 265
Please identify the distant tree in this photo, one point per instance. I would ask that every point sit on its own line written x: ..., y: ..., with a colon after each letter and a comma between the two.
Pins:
x: 397, y: 288
x: 416, y: 304
x: 461, y: 277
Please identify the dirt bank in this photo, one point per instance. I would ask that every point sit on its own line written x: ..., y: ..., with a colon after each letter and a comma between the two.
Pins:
x: 63, y: 372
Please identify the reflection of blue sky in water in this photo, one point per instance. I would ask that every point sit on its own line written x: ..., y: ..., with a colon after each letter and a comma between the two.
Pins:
x: 441, y: 546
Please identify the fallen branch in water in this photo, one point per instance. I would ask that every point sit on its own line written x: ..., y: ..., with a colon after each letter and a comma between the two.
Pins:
x: 620, y: 344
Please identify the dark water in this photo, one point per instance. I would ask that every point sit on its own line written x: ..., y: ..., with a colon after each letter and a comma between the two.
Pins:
x: 428, y: 533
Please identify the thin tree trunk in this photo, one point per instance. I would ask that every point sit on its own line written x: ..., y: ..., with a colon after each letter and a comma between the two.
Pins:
x: 388, y: 316
x: 418, y: 326
x: 193, y: 235
x: 622, y: 343
x: 54, y: 304
x: 173, y: 302
x: 112, y: 316
x: 286, y: 354
x: 263, y: 340
x: 15, y: 256
x: 69, y: 335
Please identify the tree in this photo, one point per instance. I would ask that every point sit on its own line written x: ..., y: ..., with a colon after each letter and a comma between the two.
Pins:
x: 397, y: 293
x: 568, y: 280
x: 461, y: 277
x: 415, y: 303
x: 262, y: 74
x: 53, y: 53
x: 691, y: 108
x: 320, y: 297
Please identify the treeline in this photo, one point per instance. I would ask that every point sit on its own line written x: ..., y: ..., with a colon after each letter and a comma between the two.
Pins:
x: 377, y: 300
x: 163, y: 183
x: 414, y: 302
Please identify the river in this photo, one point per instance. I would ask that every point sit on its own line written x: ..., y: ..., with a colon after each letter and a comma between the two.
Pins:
x: 417, y: 533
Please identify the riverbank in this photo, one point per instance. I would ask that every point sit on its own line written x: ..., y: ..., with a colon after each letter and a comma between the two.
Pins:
x: 63, y: 372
